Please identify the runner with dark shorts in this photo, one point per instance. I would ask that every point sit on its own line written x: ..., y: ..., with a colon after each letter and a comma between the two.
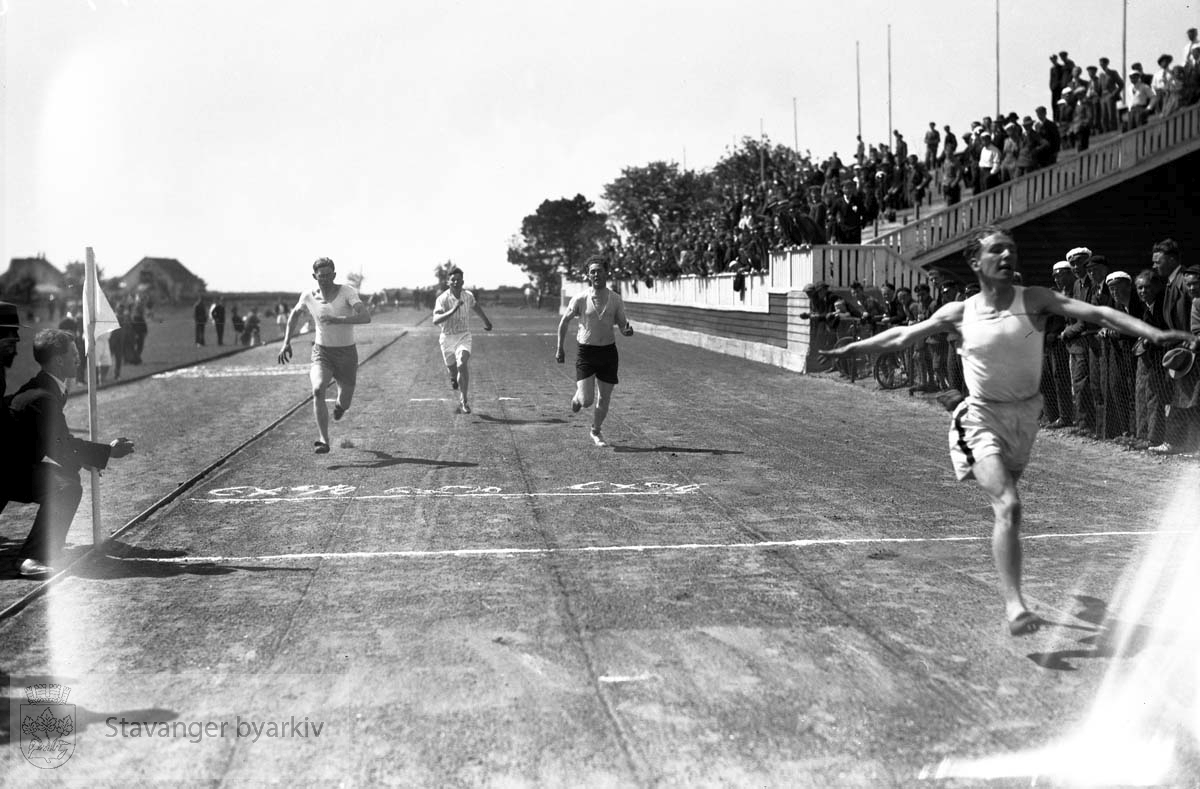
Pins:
x: 335, y: 309
x: 598, y: 310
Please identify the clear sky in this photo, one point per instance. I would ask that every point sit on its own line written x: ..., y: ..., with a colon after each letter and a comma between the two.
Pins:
x: 248, y: 137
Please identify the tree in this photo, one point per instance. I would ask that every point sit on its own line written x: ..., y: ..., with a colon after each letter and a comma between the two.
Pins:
x: 442, y: 272
x: 355, y: 280
x: 559, y: 237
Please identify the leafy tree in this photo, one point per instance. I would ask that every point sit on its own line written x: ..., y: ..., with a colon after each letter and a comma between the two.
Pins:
x: 559, y: 237
x: 355, y: 280
x: 442, y: 272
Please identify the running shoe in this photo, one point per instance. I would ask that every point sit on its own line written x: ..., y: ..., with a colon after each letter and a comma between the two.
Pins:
x: 466, y: 409
x: 338, y: 412
x: 598, y: 439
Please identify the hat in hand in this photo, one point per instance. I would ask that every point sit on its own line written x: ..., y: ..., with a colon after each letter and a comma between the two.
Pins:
x: 1178, y: 362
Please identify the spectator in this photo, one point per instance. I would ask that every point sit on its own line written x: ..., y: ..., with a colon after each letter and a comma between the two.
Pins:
x: 116, y: 340
x: 41, y: 432
x: 1182, y: 427
x: 1056, y: 371
x: 990, y: 159
x: 1159, y: 84
x: 1056, y: 79
x: 949, y: 143
x: 1117, y: 362
x: 252, y: 331
x: 1112, y: 88
x: 952, y: 180
x: 1031, y: 149
x: 1141, y: 99
x: 932, y: 140
x: 1078, y: 336
x: 1092, y: 97
x: 217, y: 314
x: 140, y: 328
x: 1191, y: 45
x: 1152, y: 387
x: 1098, y: 294
x: 239, y: 324
x: 1012, y: 149
x: 1048, y: 129
x: 200, y: 318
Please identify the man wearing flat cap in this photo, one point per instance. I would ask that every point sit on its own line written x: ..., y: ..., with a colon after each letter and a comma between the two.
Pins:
x: 1056, y: 370
x: 1077, y: 336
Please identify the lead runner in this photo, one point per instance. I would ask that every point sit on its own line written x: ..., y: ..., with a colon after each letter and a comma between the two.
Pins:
x: 598, y: 310
x: 993, y: 428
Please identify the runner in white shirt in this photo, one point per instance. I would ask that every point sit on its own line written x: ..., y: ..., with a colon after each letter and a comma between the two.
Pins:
x: 598, y: 310
x: 335, y: 309
x: 452, y: 311
x: 993, y: 427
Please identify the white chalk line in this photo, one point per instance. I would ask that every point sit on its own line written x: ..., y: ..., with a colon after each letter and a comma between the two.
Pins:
x: 237, y: 371
x: 594, y: 549
x: 396, y: 496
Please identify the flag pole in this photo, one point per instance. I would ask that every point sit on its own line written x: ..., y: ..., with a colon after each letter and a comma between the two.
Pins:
x: 90, y: 297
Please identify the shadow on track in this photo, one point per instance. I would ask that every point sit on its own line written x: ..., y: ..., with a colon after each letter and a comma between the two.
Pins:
x: 1103, y: 641
x: 677, y: 450
x: 129, y: 561
x: 498, y: 421
x: 385, y: 460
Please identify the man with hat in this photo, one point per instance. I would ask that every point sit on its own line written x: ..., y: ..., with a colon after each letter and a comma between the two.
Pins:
x: 1056, y: 369
x: 1183, y: 420
x: 993, y: 429
x: 1078, y: 336
x: 1117, y: 364
x: 46, y: 457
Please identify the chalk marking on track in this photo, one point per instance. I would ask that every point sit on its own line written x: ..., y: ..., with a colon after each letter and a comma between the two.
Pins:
x: 235, y: 371
x: 250, y: 494
x: 428, y: 399
x: 611, y: 679
x: 584, y: 549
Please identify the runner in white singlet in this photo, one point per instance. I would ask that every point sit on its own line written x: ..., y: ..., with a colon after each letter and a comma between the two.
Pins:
x: 452, y: 311
x: 993, y: 427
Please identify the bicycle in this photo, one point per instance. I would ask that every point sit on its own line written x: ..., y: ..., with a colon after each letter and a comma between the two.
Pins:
x: 852, y: 365
x: 892, y: 369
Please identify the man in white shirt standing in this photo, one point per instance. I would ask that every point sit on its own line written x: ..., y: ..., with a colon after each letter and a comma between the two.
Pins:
x: 598, y: 310
x: 452, y: 311
x: 335, y: 309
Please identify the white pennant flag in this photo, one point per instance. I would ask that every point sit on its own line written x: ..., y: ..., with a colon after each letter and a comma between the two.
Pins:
x: 101, y: 316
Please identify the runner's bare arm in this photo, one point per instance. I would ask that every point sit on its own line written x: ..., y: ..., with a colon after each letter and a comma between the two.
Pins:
x: 1046, y: 300
x: 947, y: 318
x: 285, y: 350
x: 620, y: 320
x: 559, y: 356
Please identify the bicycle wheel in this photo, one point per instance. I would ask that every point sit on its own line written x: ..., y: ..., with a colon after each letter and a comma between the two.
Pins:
x: 890, y: 372
x: 847, y: 365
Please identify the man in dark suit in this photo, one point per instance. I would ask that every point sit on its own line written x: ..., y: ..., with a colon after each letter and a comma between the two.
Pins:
x: 45, y: 458
x: 1183, y: 421
x: 10, y: 334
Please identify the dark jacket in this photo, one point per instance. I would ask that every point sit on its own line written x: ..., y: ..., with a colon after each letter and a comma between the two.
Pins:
x: 41, y: 429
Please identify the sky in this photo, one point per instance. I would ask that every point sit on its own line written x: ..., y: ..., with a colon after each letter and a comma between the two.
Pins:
x: 246, y: 138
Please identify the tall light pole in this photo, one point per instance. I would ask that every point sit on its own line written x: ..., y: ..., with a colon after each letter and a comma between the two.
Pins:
x: 1124, y: 37
x: 888, y: 136
x: 858, y: 84
x: 997, y: 58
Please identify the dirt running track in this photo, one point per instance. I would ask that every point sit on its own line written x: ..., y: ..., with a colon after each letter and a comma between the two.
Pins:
x: 768, y: 580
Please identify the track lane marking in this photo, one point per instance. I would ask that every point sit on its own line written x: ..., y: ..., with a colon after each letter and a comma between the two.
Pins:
x: 584, y: 549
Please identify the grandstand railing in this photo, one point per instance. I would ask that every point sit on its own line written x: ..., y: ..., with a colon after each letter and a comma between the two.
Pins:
x: 1125, y: 152
x: 789, y: 270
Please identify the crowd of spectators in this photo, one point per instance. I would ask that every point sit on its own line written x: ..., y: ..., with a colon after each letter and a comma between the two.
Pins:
x: 794, y: 199
x: 1096, y: 382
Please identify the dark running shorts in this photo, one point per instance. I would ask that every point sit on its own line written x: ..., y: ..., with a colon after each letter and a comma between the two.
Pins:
x: 597, y: 360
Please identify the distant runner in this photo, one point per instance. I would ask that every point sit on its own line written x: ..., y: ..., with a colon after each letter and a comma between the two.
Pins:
x: 598, y: 310
x: 452, y: 311
x: 993, y: 428
x: 335, y: 309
